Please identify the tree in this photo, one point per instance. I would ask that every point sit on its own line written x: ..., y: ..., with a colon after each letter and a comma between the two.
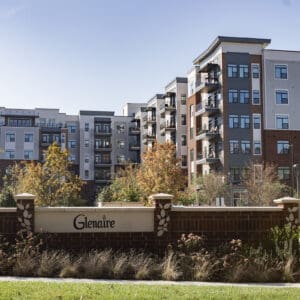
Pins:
x: 6, y: 194
x: 263, y: 185
x: 125, y: 186
x: 51, y: 182
x: 160, y: 171
x: 211, y: 186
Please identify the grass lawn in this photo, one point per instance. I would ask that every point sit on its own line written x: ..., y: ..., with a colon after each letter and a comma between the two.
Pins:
x: 42, y: 290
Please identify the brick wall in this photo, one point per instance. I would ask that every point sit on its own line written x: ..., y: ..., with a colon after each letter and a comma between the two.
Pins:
x: 216, y: 224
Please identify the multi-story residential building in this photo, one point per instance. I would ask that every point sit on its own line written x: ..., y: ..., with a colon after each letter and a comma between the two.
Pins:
x: 281, y: 135
x: 242, y: 108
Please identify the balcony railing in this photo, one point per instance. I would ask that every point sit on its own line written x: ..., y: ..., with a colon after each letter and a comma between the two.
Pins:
x: 103, y: 147
x: 207, y: 108
x: 134, y: 130
x: 102, y: 162
x: 134, y: 147
x: 208, y: 134
x: 207, y: 158
x: 103, y: 132
x: 209, y: 85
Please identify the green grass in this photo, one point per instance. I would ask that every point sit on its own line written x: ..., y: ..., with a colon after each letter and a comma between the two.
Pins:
x: 43, y: 290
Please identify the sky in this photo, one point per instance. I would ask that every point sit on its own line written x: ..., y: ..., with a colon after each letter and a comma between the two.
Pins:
x: 99, y: 54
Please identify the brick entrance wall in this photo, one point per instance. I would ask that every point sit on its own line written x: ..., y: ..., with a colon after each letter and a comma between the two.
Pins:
x: 216, y: 224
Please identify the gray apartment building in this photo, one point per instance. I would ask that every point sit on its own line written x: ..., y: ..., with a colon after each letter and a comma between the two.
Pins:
x: 242, y: 108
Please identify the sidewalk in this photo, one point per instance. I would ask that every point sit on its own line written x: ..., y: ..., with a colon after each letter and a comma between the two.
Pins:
x: 148, y: 282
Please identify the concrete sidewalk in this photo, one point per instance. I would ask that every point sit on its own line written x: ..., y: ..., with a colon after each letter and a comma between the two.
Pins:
x: 147, y: 282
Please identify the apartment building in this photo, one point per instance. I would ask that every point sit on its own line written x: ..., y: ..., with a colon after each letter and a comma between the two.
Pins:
x: 242, y: 108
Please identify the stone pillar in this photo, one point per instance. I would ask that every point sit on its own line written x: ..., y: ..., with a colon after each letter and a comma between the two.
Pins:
x: 25, y: 212
x: 291, y: 210
x: 162, y: 218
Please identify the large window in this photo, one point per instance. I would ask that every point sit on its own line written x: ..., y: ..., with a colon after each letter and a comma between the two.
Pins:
x: 283, y: 173
x: 183, y: 119
x: 232, y: 70
x: 9, y: 154
x: 233, y: 96
x: 244, y: 96
x: 183, y: 140
x: 72, y: 128
x: 244, y: 71
x: 255, y: 70
x: 245, y: 121
x: 282, y: 122
x: 28, y: 154
x: 245, y: 147
x: 121, y: 128
x: 28, y: 137
x: 234, y: 146
x: 281, y: 71
x: 256, y: 121
x: 86, y: 126
x: 72, y: 144
x: 183, y: 99
x: 121, y: 144
x: 10, y: 137
x: 255, y: 97
x: 233, y: 121
x: 282, y: 97
x: 257, y: 147
x: 283, y: 147
x: 235, y: 174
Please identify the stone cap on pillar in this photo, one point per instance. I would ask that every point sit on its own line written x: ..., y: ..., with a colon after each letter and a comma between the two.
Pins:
x: 287, y: 200
x: 161, y: 196
x: 24, y: 196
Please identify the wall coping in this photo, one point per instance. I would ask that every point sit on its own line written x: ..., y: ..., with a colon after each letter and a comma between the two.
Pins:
x: 93, y: 209
x: 287, y: 200
x: 8, y: 209
x: 161, y: 196
x: 24, y: 196
x: 224, y: 209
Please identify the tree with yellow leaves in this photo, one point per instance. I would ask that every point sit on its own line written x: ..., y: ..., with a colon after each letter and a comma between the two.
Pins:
x: 160, y: 171
x: 51, y: 182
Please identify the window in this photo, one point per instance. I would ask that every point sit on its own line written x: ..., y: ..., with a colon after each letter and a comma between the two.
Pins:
x: 183, y: 160
x: 256, y: 121
x: 282, y: 97
x: 45, y: 138
x: 192, y: 122
x: 10, y: 137
x: 244, y: 71
x: 245, y: 121
x: 13, y: 122
x: 244, y: 96
x: 255, y: 97
x: 86, y: 173
x: 72, y: 157
x: 121, y: 158
x: 121, y: 128
x: 280, y: 71
x: 72, y: 144
x: 28, y: 137
x: 233, y: 121
x: 86, y: 143
x: 234, y: 146
x: 283, y: 173
x: 86, y: 126
x: 72, y: 128
x: 86, y: 159
x: 183, y: 140
x: 183, y: 119
x: 282, y: 122
x: 9, y: 154
x: 245, y: 147
x: 257, y: 148
x: 103, y: 128
x: 283, y: 147
x: 235, y: 174
x: 28, y: 154
x: 63, y: 137
x: 232, y: 70
x: 121, y: 144
x: 233, y: 96
x: 255, y: 71
x: 183, y: 99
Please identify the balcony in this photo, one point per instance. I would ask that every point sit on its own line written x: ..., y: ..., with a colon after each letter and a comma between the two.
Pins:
x: 134, y: 147
x: 106, y: 132
x: 209, y: 85
x: 210, y: 67
x: 102, y: 163
x: 100, y: 148
x: 207, y: 109
x: 170, y: 126
x: 149, y: 136
x: 51, y: 127
x: 209, y: 158
x: 170, y: 107
x: 103, y: 180
x: 134, y: 130
x: 208, y: 134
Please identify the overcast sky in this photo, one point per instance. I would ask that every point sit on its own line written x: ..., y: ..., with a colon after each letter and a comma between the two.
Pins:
x: 97, y: 55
